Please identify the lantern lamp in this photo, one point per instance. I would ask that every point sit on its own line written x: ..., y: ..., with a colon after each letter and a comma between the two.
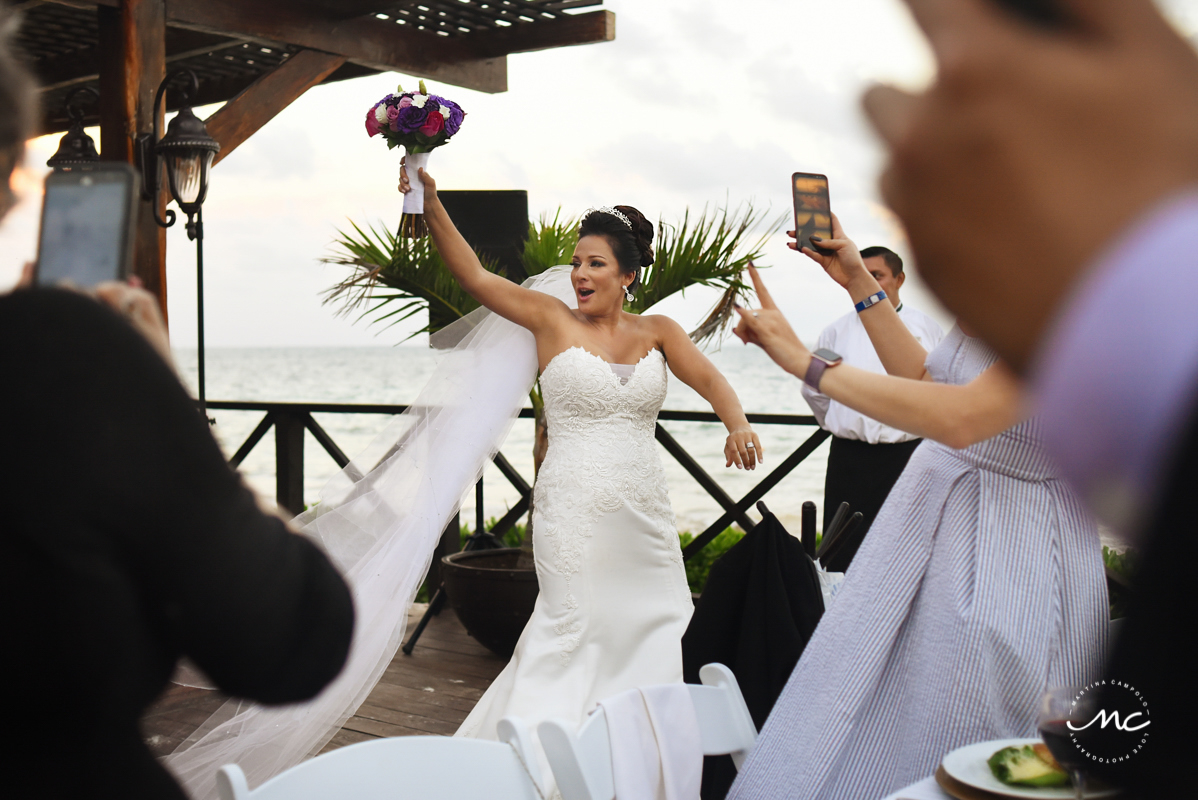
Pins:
x: 76, y: 150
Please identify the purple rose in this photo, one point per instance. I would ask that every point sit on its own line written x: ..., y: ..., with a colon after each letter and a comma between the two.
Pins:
x: 410, y: 119
x: 454, y: 120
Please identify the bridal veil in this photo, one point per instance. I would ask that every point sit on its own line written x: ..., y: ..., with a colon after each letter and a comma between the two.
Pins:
x: 379, y: 520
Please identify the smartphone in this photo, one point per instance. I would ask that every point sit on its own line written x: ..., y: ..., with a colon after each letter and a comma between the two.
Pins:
x: 813, y: 209
x: 87, y: 226
x: 1045, y: 12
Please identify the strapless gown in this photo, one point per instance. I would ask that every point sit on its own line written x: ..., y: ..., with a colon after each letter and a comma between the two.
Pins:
x: 613, y: 601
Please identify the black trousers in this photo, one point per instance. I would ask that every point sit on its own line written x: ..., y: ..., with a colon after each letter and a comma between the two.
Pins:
x: 861, y: 474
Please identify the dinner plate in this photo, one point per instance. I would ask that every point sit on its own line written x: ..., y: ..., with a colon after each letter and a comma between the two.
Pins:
x: 968, y: 765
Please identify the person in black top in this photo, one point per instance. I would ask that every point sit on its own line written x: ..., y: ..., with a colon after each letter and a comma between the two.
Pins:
x: 126, y: 542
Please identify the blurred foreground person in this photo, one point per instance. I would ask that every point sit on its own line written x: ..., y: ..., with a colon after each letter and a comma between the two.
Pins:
x: 1049, y: 184
x: 127, y: 541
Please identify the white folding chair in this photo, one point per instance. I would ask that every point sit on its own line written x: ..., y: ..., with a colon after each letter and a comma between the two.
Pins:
x: 418, y: 767
x: 581, y: 761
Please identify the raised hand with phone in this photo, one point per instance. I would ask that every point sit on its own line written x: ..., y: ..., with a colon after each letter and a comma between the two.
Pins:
x: 899, y: 351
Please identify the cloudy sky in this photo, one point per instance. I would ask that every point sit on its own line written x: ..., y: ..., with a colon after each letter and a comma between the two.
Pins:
x: 695, y: 103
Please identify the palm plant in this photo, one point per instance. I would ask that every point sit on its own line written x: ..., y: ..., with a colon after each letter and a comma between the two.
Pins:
x: 393, y: 278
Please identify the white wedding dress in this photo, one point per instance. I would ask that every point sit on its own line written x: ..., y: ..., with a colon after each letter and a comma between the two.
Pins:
x: 614, y: 601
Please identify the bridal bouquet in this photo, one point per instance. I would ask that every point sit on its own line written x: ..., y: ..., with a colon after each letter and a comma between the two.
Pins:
x: 419, y: 122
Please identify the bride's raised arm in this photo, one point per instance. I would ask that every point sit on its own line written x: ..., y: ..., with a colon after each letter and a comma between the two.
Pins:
x: 525, y: 307
x: 690, y: 366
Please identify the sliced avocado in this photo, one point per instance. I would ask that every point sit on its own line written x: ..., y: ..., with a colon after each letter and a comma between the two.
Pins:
x: 1021, y: 766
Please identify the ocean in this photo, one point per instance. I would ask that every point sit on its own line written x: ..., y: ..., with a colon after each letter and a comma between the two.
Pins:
x: 396, y: 375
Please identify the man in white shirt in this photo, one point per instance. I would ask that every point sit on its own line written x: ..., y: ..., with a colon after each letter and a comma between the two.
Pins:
x: 866, y: 457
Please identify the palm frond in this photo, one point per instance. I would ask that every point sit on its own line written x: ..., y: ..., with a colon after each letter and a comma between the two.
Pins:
x: 550, y: 242
x: 392, y: 278
x: 388, y: 269
x: 712, y: 250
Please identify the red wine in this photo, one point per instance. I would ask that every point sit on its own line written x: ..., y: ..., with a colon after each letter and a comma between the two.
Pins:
x: 1059, y: 739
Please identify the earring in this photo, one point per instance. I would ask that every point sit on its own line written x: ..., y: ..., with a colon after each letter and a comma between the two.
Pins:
x: 628, y: 294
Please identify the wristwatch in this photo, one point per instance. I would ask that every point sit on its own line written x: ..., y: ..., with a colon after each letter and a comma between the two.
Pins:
x: 872, y: 300
x: 821, y: 359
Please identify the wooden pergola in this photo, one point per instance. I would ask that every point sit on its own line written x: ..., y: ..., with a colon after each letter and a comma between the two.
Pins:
x: 258, y: 56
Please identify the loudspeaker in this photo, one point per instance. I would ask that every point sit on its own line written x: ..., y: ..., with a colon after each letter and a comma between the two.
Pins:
x: 495, y: 223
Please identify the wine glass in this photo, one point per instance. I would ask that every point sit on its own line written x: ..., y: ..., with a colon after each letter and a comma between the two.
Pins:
x: 1058, y: 707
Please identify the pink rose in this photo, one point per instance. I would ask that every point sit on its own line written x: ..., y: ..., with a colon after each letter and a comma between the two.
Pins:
x: 433, y: 125
x: 392, y: 113
x: 404, y: 102
x: 372, y: 124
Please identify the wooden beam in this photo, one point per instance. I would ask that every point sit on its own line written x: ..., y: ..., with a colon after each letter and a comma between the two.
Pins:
x: 366, y: 41
x: 82, y: 66
x: 258, y: 104
x: 132, y: 44
x: 566, y: 30
x: 475, y: 61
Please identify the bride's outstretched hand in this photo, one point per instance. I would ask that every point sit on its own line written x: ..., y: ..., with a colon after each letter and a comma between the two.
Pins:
x: 844, y: 264
x: 743, y: 449
x: 768, y: 329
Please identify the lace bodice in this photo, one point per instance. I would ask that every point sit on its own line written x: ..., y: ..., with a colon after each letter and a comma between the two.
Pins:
x: 602, y: 454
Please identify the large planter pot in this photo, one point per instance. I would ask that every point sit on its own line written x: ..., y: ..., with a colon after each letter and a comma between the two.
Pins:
x: 493, y: 593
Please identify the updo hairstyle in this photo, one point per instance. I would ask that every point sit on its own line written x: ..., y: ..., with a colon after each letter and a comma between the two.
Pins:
x: 633, y: 246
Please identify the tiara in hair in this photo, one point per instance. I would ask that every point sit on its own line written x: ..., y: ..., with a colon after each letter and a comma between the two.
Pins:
x: 609, y: 210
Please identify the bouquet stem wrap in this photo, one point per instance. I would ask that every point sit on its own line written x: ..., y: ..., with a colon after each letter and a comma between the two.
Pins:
x: 411, y: 224
x: 418, y: 122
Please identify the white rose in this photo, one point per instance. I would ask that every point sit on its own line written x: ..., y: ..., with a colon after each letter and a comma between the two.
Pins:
x: 380, y: 114
x: 419, y: 100
x: 445, y: 112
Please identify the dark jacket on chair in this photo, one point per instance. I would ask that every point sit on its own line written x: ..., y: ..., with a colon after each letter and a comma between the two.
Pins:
x: 757, y: 612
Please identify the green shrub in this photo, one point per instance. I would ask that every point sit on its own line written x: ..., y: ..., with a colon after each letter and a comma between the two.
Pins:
x: 1124, y: 564
x: 699, y: 566
x: 513, y: 538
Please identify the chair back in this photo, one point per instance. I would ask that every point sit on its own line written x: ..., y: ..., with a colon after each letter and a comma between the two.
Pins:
x: 417, y: 767
x: 581, y: 761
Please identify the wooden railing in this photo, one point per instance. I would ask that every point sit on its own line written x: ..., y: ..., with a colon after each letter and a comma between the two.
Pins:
x: 290, y: 420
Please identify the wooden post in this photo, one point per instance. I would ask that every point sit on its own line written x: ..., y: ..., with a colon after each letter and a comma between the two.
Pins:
x: 289, y: 461
x: 262, y: 100
x: 132, y: 45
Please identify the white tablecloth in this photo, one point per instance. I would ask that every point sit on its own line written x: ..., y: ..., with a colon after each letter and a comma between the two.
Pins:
x: 927, y: 789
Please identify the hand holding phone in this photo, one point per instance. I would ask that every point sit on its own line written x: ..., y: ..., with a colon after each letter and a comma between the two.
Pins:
x: 88, y: 218
x: 813, y: 209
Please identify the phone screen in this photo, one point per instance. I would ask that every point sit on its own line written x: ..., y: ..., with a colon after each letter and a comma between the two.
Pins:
x: 86, y: 232
x: 813, y: 209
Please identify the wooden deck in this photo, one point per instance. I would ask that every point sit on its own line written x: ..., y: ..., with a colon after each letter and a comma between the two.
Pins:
x: 428, y: 692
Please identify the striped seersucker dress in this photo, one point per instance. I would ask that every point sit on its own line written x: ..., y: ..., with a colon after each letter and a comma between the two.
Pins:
x: 980, y: 584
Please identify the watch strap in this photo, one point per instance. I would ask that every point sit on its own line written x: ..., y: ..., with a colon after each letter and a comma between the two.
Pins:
x: 873, y: 299
x: 815, y: 371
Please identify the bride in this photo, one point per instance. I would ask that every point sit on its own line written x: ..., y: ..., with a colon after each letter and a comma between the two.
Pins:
x: 614, y: 600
